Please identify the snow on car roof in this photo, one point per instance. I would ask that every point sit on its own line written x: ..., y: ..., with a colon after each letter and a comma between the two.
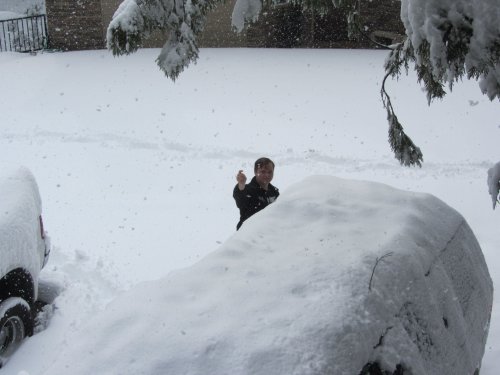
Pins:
x: 20, y: 207
x: 17, y: 187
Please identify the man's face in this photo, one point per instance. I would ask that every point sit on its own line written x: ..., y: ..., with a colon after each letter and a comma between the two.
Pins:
x: 264, y: 174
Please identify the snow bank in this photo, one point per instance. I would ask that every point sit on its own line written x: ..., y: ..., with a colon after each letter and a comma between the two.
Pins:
x: 290, y: 293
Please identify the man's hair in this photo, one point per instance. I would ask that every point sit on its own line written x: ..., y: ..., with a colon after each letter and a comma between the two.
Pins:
x: 262, y: 162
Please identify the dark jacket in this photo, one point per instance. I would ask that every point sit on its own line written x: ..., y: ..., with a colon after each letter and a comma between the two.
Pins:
x: 253, y: 198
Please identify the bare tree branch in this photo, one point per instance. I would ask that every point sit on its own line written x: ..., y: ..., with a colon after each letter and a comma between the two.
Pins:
x: 377, y: 261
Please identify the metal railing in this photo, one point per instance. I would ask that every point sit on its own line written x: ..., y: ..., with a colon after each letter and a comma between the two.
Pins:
x: 24, y: 34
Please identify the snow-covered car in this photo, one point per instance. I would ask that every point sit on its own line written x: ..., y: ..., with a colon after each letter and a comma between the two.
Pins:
x: 24, y: 250
x: 336, y: 277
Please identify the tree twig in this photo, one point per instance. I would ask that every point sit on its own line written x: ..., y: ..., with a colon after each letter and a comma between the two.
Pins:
x: 377, y: 261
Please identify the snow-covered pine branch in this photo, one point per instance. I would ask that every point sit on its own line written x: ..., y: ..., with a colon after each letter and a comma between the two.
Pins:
x: 245, y: 11
x: 181, y: 20
x: 451, y: 39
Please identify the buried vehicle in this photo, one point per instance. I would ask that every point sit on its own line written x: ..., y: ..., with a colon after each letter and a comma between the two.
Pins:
x: 24, y: 250
x: 337, y: 277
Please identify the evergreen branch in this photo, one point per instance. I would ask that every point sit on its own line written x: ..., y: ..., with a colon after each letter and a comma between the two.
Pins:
x: 403, y: 147
x: 181, y: 20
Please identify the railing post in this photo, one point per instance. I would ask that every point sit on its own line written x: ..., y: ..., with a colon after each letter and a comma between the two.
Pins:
x: 3, y: 33
x: 37, y: 44
x: 46, y: 32
x: 10, y: 34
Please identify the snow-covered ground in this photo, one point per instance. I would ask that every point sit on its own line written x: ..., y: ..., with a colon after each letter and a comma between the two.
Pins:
x: 136, y: 172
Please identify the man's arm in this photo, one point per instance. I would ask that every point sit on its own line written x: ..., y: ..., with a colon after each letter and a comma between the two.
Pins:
x: 239, y: 193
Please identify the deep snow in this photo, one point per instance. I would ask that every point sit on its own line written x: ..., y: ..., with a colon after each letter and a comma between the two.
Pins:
x: 136, y: 172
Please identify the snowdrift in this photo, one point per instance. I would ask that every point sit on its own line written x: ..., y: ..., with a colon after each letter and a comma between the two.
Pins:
x: 324, y: 281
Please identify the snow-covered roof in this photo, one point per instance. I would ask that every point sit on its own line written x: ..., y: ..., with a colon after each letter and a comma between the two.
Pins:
x: 334, y: 275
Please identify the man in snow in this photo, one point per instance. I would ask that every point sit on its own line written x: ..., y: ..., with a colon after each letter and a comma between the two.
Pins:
x: 253, y: 197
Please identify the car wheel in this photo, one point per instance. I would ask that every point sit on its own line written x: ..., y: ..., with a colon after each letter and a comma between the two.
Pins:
x: 15, y: 324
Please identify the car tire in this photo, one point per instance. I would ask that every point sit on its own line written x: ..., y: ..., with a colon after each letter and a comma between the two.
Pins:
x: 16, y: 323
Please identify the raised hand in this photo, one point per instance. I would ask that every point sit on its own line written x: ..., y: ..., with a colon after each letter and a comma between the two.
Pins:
x: 242, y: 179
